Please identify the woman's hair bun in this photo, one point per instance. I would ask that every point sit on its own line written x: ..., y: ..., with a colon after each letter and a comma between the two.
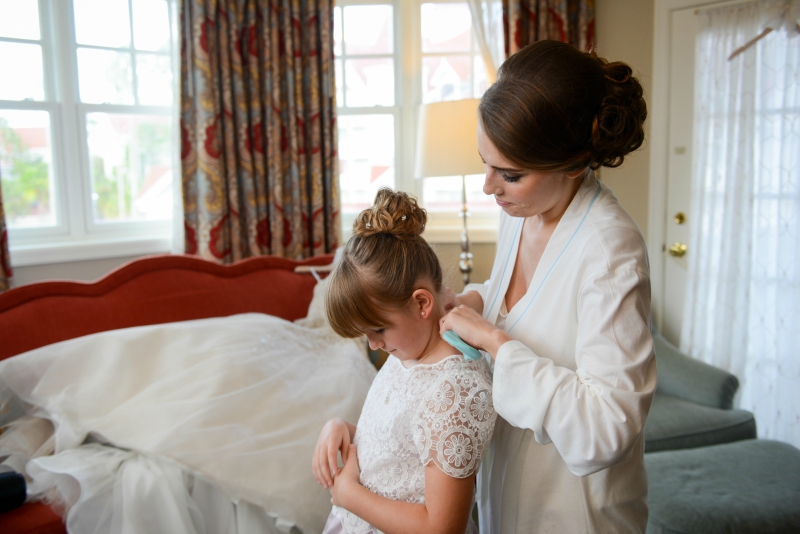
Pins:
x: 394, y: 212
x: 557, y: 108
x: 618, y: 127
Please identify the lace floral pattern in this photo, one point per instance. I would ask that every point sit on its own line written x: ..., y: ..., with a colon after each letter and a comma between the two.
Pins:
x: 440, y: 413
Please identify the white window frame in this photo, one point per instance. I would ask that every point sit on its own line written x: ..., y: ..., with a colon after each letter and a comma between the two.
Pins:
x: 442, y: 227
x: 76, y: 236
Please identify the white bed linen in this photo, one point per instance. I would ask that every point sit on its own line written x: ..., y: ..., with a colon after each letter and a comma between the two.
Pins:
x: 194, y: 421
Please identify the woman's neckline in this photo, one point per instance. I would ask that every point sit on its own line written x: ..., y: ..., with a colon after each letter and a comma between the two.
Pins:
x: 588, y: 178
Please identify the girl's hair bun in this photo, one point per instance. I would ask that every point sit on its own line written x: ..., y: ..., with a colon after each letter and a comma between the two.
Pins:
x: 618, y: 129
x: 393, y: 212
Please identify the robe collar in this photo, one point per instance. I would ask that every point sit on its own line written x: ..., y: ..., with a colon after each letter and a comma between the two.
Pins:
x: 563, y: 236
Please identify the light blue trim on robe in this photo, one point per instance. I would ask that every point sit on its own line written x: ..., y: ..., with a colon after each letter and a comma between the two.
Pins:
x: 505, y: 266
x: 597, y: 194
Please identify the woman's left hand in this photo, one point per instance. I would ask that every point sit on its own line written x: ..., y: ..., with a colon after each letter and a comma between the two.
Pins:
x: 347, y: 480
x: 474, y: 329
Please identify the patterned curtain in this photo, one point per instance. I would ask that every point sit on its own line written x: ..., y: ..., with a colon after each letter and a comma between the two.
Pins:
x: 5, y: 259
x: 568, y: 21
x: 258, y: 129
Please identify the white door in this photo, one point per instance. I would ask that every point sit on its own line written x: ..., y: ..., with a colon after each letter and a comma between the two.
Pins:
x: 678, y: 248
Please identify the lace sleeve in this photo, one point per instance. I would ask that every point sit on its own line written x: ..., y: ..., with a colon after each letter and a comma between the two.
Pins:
x: 454, y: 423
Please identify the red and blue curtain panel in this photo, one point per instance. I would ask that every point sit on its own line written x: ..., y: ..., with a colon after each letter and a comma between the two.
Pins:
x: 568, y: 21
x: 5, y: 259
x: 258, y: 129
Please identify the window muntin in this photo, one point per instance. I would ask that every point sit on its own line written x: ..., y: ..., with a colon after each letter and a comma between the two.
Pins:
x: 26, y: 123
x: 368, y: 105
x: 435, y: 38
x: 100, y: 97
x: 452, y: 69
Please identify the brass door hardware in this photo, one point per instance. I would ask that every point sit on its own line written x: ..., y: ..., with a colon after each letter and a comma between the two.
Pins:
x: 677, y: 250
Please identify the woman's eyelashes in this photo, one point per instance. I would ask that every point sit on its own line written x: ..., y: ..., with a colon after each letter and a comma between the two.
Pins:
x: 510, y: 178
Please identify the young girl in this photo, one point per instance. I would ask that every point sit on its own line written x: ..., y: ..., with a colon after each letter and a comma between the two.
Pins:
x: 428, y: 418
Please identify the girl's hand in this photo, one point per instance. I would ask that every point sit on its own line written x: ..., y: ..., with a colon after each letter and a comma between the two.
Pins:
x: 346, y: 480
x: 474, y: 329
x: 334, y: 437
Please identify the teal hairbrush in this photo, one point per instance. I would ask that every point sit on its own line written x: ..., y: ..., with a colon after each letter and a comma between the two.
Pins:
x: 470, y: 353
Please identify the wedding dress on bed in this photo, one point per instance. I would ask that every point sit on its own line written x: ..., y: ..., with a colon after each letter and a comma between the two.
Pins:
x: 203, y: 426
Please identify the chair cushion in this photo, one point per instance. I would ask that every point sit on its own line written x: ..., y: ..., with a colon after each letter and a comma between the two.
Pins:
x: 744, y: 487
x: 675, y: 423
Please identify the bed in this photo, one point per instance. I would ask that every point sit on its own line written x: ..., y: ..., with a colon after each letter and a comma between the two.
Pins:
x: 148, y: 291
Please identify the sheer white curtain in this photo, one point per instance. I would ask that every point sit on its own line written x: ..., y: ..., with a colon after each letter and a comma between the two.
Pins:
x: 487, y: 23
x: 743, y: 302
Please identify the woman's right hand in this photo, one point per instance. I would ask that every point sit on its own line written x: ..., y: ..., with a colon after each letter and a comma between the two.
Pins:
x: 335, y: 437
x: 451, y: 300
x: 474, y: 329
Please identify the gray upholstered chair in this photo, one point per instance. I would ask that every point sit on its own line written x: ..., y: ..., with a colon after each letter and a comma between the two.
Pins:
x: 693, y: 405
x: 706, y: 472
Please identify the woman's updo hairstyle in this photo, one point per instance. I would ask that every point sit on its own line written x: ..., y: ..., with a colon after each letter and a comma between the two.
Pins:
x: 383, y: 264
x: 555, y: 108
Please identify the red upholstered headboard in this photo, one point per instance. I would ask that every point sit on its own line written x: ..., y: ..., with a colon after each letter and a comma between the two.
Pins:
x: 153, y: 290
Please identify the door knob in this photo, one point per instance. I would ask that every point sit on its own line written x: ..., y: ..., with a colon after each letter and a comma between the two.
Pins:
x: 677, y: 250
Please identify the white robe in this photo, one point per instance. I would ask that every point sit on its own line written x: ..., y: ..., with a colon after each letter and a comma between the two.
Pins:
x: 574, y: 387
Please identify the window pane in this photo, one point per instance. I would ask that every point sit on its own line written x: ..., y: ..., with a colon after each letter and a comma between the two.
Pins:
x: 151, y: 25
x: 19, y: 19
x: 370, y: 82
x: 446, y: 78
x: 102, y: 23
x: 366, y: 158
x: 105, y: 76
x: 25, y: 61
x: 446, y: 28
x: 481, y: 77
x: 131, y: 166
x: 154, y: 77
x: 337, y: 31
x: 368, y: 30
x: 339, y: 82
x: 26, y: 167
x: 443, y: 194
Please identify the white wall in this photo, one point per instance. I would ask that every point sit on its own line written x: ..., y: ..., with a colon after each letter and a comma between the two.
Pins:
x: 625, y: 33
x: 76, y: 270
x: 92, y: 270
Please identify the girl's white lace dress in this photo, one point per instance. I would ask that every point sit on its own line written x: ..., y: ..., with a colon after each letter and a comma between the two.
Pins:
x: 440, y: 413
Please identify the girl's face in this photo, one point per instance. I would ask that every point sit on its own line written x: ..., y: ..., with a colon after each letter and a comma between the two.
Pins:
x: 524, y: 192
x: 407, y: 334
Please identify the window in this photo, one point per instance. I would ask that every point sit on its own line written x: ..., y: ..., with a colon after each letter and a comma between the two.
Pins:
x: 86, y: 141
x: 369, y: 113
x: 390, y: 58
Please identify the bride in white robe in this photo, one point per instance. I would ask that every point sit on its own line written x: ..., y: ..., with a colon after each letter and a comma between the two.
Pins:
x: 199, y: 427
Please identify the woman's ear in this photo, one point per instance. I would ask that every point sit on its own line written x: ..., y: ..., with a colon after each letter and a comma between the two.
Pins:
x: 423, y: 302
x: 575, y: 174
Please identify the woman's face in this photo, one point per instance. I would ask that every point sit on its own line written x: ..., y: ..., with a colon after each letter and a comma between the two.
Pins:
x: 524, y: 192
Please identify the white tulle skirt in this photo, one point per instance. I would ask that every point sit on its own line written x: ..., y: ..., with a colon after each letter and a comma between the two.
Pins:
x: 200, y: 427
